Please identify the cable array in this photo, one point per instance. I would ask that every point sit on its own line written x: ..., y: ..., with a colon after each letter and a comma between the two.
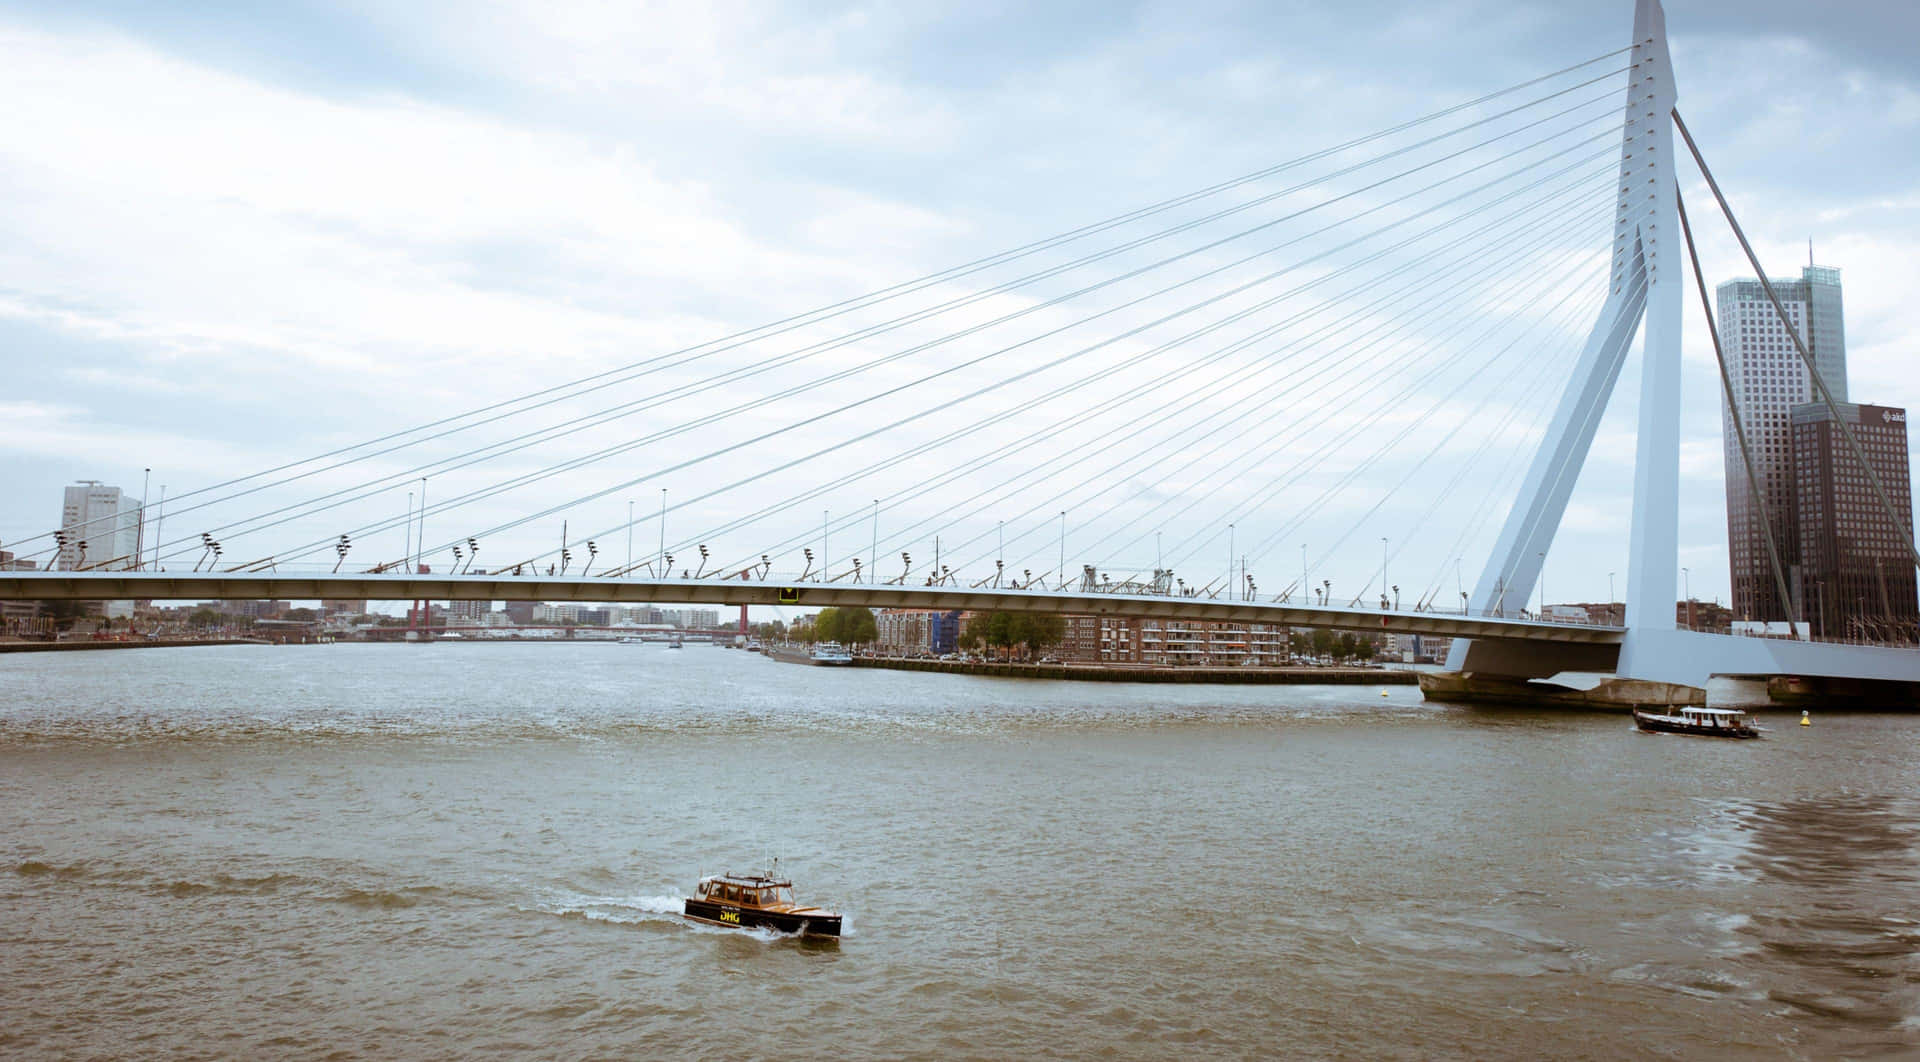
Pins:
x: 1315, y: 349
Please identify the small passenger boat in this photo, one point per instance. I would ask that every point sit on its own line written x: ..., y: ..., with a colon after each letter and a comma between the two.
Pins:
x: 1706, y: 722
x: 743, y: 901
x: 831, y: 654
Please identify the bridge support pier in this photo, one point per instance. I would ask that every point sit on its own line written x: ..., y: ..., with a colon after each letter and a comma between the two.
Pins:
x: 1508, y: 691
x: 1727, y: 691
x: 1847, y: 694
x: 1745, y: 692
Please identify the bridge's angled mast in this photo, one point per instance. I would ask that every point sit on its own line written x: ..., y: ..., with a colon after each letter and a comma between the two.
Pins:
x: 1638, y: 288
x: 1654, y: 552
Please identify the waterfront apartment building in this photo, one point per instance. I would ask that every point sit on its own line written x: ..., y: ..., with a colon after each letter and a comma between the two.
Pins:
x: 913, y: 630
x: 15, y: 614
x: 1197, y: 643
x: 1856, y: 576
x: 521, y: 612
x: 900, y: 630
x: 1768, y: 380
x: 545, y: 614
x: 468, y: 613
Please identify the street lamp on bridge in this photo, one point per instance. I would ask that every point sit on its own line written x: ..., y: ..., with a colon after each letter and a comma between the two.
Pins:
x: 1383, y: 572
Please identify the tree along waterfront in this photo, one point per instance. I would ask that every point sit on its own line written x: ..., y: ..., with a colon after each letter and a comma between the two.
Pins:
x: 1007, y: 630
x: 848, y: 626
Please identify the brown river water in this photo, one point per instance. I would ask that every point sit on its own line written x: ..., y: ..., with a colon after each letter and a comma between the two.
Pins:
x: 470, y: 851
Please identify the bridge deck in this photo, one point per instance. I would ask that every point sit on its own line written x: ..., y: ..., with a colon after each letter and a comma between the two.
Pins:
x: 207, y: 586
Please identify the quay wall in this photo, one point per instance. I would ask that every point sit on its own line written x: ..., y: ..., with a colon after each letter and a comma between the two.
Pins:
x: 1295, y: 676
x: 80, y: 646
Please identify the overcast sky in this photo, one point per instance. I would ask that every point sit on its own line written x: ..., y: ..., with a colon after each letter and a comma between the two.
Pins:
x: 233, y: 235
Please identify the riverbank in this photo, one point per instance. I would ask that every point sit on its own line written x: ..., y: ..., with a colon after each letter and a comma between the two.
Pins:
x: 78, y: 646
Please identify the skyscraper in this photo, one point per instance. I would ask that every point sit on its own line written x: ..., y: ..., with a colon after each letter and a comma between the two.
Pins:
x: 100, y: 528
x: 1769, y: 379
x: 1856, y: 577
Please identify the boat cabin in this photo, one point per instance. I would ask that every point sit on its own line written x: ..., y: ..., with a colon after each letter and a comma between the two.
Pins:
x: 746, y: 891
x: 1715, y: 718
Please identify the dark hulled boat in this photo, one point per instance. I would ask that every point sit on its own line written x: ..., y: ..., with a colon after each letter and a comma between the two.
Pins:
x: 744, y: 901
x: 1703, y: 722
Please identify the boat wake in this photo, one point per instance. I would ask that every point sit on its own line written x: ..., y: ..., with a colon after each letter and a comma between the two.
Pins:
x: 621, y: 910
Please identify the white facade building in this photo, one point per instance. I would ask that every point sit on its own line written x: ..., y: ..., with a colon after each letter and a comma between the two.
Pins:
x: 101, y: 524
x: 100, y: 530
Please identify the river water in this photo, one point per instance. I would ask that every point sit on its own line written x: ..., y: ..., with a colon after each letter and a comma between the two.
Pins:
x: 470, y: 850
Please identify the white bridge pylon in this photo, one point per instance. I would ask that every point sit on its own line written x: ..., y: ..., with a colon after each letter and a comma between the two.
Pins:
x: 1645, y: 286
x: 1639, y: 290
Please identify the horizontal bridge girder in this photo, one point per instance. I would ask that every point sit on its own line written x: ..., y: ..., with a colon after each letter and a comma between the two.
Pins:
x: 246, y: 586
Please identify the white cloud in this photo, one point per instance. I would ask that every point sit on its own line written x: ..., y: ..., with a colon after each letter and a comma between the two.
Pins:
x: 204, y: 212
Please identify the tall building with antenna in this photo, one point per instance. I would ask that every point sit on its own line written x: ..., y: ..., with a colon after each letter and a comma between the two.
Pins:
x: 1769, y: 379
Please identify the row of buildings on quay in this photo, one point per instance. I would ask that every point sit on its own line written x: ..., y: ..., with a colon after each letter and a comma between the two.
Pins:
x: 338, y: 617
x: 483, y: 614
x: 1145, y: 641
x: 542, y: 614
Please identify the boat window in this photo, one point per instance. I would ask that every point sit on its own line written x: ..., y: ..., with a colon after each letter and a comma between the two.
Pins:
x: 783, y: 895
x: 705, y: 888
x: 728, y: 893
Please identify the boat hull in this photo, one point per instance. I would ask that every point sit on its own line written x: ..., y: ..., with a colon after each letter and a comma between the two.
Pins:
x: 732, y: 916
x: 1656, y: 724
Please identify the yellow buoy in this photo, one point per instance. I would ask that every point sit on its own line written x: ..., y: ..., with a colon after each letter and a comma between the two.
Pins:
x: 1804, y: 721
x: 1383, y: 693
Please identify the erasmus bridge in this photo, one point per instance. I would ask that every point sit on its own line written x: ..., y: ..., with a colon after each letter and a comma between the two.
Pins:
x: 1417, y: 330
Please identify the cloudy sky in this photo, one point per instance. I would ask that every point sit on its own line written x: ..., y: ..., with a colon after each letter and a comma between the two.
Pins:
x: 234, y: 236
